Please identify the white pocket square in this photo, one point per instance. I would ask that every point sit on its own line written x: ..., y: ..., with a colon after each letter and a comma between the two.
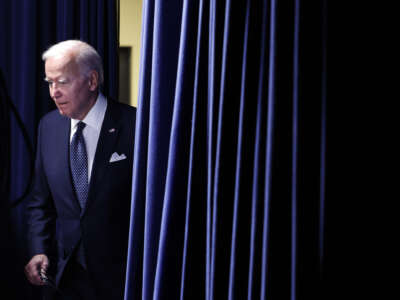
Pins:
x: 115, y: 157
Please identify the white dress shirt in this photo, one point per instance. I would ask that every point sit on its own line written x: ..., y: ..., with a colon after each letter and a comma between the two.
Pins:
x: 91, y: 132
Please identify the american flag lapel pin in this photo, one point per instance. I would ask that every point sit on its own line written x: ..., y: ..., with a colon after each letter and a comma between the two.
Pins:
x: 111, y: 130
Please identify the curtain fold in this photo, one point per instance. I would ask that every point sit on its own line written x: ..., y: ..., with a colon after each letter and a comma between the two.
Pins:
x: 27, y: 28
x: 228, y: 197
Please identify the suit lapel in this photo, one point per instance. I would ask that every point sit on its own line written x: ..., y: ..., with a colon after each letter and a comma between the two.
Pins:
x: 107, y: 139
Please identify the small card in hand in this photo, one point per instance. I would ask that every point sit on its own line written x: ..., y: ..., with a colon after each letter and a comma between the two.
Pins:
x: 47, y: 279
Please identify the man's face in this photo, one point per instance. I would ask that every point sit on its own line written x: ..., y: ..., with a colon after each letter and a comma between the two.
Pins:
x: 69, y: 88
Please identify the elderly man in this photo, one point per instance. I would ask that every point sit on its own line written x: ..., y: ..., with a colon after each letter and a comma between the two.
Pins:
x: 79, y: 212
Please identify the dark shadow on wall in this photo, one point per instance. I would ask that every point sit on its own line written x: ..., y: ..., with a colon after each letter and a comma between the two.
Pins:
x: 5, y: 234
x: 12, y: 250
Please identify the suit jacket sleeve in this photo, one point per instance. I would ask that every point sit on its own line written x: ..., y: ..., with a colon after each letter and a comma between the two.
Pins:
x: 40, y: 209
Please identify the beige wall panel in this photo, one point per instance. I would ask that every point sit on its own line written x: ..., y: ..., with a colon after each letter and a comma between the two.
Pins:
x: 130, y: 33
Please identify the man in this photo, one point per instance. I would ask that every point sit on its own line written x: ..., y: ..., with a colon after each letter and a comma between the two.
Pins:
x: 79, y: 212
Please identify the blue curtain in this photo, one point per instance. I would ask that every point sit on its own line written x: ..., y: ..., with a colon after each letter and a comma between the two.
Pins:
x: 27, y: 28
x: 228, y: 197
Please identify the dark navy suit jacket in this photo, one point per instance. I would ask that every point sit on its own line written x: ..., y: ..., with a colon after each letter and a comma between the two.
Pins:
x: 55, y: 221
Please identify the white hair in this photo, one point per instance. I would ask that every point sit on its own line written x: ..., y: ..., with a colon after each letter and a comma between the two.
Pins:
x: 85, y: 55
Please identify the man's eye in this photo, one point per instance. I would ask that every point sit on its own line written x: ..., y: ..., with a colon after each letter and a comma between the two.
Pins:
x: 59, y: 82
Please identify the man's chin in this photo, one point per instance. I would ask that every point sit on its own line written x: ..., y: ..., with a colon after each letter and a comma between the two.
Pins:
x: 63, y: 112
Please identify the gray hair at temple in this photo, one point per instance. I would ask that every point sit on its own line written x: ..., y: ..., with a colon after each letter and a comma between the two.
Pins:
x: 85, y: 55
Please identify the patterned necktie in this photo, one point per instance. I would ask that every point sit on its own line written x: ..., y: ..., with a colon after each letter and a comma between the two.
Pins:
x: 79, y: 165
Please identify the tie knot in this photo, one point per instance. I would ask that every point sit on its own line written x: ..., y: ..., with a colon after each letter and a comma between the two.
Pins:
x: 81, y: 125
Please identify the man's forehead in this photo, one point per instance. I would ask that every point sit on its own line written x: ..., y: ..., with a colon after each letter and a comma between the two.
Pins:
x: 60, y: 63
x: 59, y: 59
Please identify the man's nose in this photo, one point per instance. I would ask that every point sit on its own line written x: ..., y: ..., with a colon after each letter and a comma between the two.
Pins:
x: 54, y: 91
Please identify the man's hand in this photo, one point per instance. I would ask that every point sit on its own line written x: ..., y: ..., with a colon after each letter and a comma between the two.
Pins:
x: 38, y: 263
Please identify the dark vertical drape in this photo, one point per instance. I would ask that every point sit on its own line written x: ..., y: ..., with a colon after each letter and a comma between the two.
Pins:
x: 27, y: 28
x: 228, y: 196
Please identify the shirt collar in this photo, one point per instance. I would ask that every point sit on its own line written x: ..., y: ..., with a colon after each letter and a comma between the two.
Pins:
x: 95, y: 116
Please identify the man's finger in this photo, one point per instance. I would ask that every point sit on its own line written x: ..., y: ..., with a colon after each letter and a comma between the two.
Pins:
x: 33, y: 277
x: 45, y: 264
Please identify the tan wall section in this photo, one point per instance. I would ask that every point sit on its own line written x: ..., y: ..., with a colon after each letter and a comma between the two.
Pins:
x: 129, y: 35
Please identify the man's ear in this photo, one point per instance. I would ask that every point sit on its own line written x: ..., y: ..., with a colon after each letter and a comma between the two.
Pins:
x: 93, y: 80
